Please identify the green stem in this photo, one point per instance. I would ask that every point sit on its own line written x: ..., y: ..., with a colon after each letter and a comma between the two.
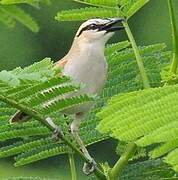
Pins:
x: 99, y: 174
x: 131, y: 148
x: 174, y: 38
x: 72, y: 166
x: 122, y: 162
x: 142, y: 70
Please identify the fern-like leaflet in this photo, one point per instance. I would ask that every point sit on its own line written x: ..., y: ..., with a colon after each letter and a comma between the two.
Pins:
x: 10, y: 12
x: 103, y: 9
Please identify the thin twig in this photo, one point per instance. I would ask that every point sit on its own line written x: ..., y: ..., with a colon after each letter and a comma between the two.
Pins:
x: 139, y: 60
x: 123, y: 161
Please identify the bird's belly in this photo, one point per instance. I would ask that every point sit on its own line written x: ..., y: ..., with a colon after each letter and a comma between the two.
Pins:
x: 92, y: 75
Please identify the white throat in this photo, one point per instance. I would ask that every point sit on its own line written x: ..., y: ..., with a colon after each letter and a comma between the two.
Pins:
x: 88, y: 47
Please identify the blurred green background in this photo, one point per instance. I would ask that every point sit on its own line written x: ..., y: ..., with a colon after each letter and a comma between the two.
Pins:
x: 20, y: 47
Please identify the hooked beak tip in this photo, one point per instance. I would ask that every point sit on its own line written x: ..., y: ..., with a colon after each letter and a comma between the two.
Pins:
x: 111, y: 26
x: 115, y: 20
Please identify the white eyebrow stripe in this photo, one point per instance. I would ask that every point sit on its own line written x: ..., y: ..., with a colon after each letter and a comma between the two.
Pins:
x: 97, y: 21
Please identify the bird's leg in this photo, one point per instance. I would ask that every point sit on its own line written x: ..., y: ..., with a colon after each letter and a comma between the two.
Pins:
x: 57, y: 131
x: 88, y: 168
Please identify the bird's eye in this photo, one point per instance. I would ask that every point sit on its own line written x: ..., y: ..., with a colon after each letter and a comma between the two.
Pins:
x: 89, y: 27
x: 93, y: 26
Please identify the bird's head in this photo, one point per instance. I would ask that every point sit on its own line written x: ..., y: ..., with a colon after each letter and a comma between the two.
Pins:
x: 98, y: 30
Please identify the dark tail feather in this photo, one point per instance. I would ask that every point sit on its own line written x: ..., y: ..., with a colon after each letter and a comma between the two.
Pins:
x: 19, y: 116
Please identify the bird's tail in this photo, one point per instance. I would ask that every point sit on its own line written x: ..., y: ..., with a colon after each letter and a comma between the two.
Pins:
x: 19, y: 116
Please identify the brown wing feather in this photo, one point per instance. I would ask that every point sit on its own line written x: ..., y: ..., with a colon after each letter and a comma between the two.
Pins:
x: 20, y: 116
x: 61, y: 63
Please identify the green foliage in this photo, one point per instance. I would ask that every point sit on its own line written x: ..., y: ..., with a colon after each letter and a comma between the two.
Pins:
x: 105, y: 3
x: 150, y: 169
x: 145, y: 169
x: 28, y: 75
x: 106, y: 9
x: 30, y: 2
x: 112, y: 48
x: 123, y: 77
x: 17, y: 14
x: 146, y: 117
x: 85, y: 13
x: 37, y: 92
x: 140, y: 152
x: 5, y: 19
x: 46, y: 151
x: 10, y: 12
x: 133, y: 7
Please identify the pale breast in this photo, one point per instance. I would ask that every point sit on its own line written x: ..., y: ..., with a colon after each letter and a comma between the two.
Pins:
x: 91, y: 71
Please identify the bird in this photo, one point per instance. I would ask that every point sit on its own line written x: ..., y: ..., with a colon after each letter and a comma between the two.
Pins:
x: 85, y: 63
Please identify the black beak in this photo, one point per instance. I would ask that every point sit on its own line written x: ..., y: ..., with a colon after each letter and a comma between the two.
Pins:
x: 109, y: 27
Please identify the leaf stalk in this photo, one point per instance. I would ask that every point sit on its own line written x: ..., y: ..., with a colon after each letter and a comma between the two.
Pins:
x: 139, y: 60
x: 122, y: 162
x: 174, y: 64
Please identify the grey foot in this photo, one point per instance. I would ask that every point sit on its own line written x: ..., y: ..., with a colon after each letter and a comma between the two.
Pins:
x: 88, y: 168
x: 57, y: 134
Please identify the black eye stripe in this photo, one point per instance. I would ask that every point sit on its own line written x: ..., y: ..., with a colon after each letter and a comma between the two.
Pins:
x: 89, y: 27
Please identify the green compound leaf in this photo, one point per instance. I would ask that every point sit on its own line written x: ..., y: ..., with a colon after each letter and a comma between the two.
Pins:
x: 135, y: 7
x: 23, y: 146
x: 164, y: 148
x: 6, y: 19
x: 103, y: 9
x: 86, y: 13
x: 21, y: 16
x: 146, y: 117
x: 148, y: 170
x: 10, y: 12
x: 38, y: 154
x: 116, y: 47
x: 172, y: 158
